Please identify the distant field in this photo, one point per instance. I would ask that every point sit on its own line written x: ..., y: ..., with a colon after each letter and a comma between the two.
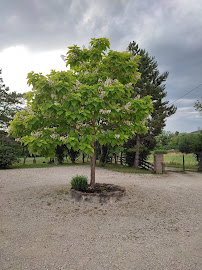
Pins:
x: 175, y: 160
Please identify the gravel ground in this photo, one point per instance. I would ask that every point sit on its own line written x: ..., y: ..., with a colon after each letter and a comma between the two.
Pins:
x: 156, y: 226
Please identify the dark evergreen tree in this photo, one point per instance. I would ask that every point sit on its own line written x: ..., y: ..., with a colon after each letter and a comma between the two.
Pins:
x: 151, y: 83
x: 73, y: 154
x: 9, y: 104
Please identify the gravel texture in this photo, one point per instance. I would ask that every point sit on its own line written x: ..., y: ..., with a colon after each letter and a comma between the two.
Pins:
x: 156, y: 226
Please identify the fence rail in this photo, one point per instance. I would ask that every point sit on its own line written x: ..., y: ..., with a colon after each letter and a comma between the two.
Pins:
x: 146, y: 165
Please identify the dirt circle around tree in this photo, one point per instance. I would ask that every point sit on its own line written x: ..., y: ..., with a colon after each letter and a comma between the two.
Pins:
x: 101, y: 193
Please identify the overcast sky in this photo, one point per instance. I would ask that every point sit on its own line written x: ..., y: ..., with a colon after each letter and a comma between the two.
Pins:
x: 34, y: 33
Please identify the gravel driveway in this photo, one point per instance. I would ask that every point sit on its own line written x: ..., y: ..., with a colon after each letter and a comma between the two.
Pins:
x: 156, y: 226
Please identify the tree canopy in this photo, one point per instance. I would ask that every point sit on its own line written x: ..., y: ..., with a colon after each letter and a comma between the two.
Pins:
x: 91, y: 102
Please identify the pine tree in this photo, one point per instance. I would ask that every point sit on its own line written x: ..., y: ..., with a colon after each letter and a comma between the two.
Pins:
x: 151, y: 83
x: 9, y: 104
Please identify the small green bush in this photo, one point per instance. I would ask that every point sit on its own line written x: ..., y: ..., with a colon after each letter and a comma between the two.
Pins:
x: 8, y: 156
x: 79, y: 182
x: 160, y: 152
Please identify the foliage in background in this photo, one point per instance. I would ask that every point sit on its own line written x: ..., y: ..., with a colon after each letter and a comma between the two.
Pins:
x: 9, y: 104
x: 190, y: 143
x: 198, y: 106
x: 151, y: 83
x: 8, y: 156
x: 167, y: 140
x: 160, y: 152
x: 60, y: 153
x: 73, y: 154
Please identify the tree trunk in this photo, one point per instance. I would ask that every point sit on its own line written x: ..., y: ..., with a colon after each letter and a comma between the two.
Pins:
x: 121, y: 158
x: 92, y: 165
x: 115, y: 159
x: 101, y: 154
x: 183, y: 165
x: 25, y: 157
x: 137, y: 153
x: 200, y: 162
x: 83, y: 158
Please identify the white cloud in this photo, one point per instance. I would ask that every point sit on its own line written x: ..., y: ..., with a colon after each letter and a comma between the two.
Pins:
x: 17, y: 62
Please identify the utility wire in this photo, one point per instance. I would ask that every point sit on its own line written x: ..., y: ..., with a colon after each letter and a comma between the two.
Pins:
x: 186, y: 94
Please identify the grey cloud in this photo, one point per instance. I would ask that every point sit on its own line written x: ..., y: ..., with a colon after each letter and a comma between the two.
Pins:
x: 169, y: 30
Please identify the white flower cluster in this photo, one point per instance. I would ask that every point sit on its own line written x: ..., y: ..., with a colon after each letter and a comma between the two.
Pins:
x: 117, y: 136
x: 20, y: 117
x: 100, y: 81
x: 81, y: 124
x: 86, y: 72
x: 132, y: 58
x: 127, y: 106
x: 73, y: 55
x: 128, y: 85
x: 127, y: 122
x: 63, y: 138
x: 137, y: 97
x: 95, y: 71
x: 53, y: 96
x: 29, y: 111
x: 118, y: 110
x: 104, y: 122
x: 64, y: 97
x: 18, y: 139
x: 54, y: 136
x: 105, y: 111
x: 37, y: 134
x: 108, y: 82
x: 116, y: 81
x: 78, y: 84
x: 138, y: 76
x: 101, y: 91
x: 8, y: 128
x: 56, y: 103
x: 50, y: 82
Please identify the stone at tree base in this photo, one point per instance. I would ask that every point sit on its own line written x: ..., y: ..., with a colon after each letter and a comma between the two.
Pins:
x: 112, y: 196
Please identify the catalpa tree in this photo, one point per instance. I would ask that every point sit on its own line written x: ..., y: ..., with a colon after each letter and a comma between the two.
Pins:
x: 91, y: 102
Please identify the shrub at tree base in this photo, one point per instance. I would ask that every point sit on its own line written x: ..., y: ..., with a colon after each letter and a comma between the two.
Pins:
x: 79, y: 182
x: 8, y: 156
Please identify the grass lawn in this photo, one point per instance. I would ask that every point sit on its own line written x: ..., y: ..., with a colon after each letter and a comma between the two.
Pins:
x: 170, y: 159
x: 124, y: 169
x: 43, y: 163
